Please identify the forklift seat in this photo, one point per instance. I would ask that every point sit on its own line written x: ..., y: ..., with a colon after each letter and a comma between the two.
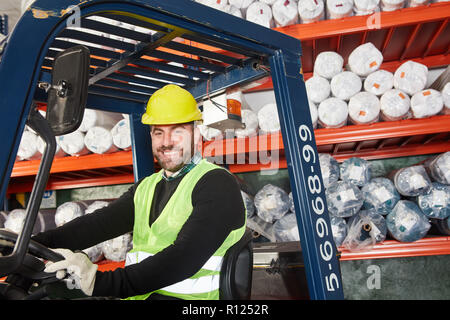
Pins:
x: 236, y: 271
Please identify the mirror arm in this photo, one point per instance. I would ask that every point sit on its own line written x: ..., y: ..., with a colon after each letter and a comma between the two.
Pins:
x: 38, y: 123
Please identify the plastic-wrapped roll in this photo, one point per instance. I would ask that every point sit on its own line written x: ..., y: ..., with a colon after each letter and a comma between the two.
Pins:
x: 28, y: 147
x: 439, y: 168
x: 345, y: 85
x: 94, y: 253
x: 379, y: 82
x: 411, y: 77
x: 344, y: 199
x: 97, y: 118
x: 271, y: 203
x: 261, y: 227
x: 317, y: 88
x: 364, y: 7
x: 73, y: 143
x: 268, y: 2
x: 98, y: 204
x: 314, y: 113
x: 248, y: 202
x: 69, y: 211
x: 116, y: 249
x: 311, y: 10
x: 16, y: 218
x: 391, y: 5
x: 394, y: 105
x: 366, y: 228
x: 333, y: 113
x: 241, y: 4
x: 260, y: 13
x: 365, y: 59
x: 121, y: 134
x: 436, y: 203
x: 48, y: 219
x: 250, y: 120
x: 364, y: 108
x: 426, y: 103
x: 3, y: 216
x: 339, y: 229
x: 446, y: 98
x: 329, y: 168
x: 99, y: 140
x: 268, y: 118
x: 411, y: 181
x: 337, y: 9
x: 59, y: 153
x: 291, y: 202
x: 406, y: 222
x: 417, y: 3
x: 233, y: 11
x: 286, y: 228
x: 209, y: 133
x: 380, y: 195
x: 328, y: 64
x: 285, y: 12
x: 356, y: 171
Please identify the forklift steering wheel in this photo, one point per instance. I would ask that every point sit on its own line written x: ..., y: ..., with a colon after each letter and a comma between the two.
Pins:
x: 34, y: 247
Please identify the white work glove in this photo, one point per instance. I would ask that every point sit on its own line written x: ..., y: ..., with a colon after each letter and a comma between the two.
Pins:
x: 79, y: 268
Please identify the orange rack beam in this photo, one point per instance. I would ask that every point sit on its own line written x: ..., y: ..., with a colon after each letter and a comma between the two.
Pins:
x: 394, y: 249
x: 429, y: 246
x: 64, y: 164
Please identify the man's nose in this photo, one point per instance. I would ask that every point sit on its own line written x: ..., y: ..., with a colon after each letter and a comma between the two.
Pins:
x: 167, y: 140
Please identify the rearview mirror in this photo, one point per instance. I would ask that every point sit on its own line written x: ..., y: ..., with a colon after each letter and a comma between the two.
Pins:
x: 67, y: 95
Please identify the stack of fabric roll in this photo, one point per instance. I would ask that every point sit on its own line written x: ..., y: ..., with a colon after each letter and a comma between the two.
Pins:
x: 362, y: 93
x: 402, y: 205
x: 15, y: 219
x: 274, y: 216
x: 281, y: 13
x: 100, y: 132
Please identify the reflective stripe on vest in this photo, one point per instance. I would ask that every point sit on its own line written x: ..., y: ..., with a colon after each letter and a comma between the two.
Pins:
x: 187, y: 286
x: 213, y: 264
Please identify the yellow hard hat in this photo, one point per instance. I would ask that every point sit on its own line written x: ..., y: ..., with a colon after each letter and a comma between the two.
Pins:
x: 171, y: 105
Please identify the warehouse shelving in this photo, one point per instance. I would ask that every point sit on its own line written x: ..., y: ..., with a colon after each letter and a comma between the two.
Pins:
x: 376, y: 141
x: 419, y: 34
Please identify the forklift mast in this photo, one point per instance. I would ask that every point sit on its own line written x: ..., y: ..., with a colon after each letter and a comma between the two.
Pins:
x: 139, y: 46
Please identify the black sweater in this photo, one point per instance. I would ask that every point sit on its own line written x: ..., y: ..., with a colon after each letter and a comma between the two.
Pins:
x: 218, y: 209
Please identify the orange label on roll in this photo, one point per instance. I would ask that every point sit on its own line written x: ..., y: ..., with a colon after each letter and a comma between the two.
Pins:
x: 234, y: 107
x: 373, y: 64
x: 376, y: 85
x: 426, y: 93
x: 402, y: 75
x: 401, y: 95
x: 362, y: 113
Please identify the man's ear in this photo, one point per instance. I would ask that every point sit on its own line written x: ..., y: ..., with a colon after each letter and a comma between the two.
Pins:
x: 197, y: 138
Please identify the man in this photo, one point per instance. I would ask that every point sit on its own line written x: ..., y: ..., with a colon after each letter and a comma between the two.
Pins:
x: 183, y: 218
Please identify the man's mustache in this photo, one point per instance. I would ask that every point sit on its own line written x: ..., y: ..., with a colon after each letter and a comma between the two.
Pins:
x: 167, y: 148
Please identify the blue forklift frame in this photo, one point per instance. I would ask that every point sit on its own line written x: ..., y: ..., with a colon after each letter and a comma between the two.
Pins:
x: 121, y: 81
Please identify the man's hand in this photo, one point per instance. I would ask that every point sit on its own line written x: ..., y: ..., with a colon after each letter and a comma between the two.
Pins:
x: 80, y: 270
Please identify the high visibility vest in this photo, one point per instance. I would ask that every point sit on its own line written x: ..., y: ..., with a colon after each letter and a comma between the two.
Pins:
x: 149, y: 240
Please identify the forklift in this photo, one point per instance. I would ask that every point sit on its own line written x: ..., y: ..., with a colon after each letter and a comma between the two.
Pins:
x: 67, y: 67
